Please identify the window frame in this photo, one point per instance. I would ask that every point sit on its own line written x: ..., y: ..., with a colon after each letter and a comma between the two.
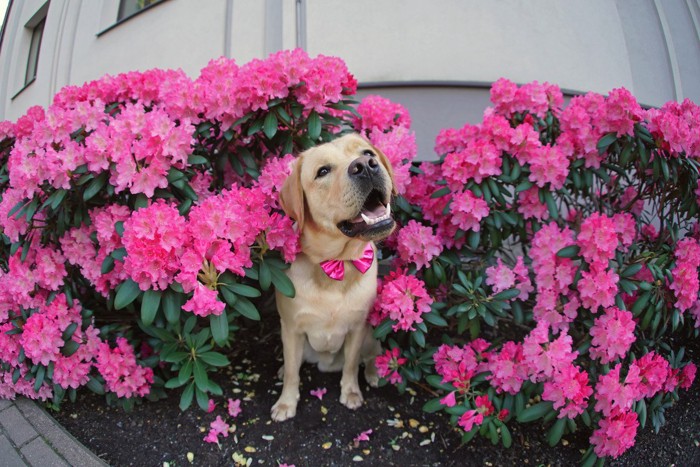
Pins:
x: 128, y: 17
x: 34, y: 52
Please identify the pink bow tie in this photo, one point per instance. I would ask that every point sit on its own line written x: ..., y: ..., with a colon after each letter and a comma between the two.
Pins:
x: 335, y: 268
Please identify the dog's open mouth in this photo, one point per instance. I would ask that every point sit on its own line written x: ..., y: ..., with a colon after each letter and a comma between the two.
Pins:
x: 373, y: 218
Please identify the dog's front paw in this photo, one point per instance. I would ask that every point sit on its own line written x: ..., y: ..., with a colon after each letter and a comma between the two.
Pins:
x: 351, y: 399
x: 282, y: 411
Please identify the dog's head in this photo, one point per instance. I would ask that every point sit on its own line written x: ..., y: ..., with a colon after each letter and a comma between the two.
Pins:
x: 341, y: 188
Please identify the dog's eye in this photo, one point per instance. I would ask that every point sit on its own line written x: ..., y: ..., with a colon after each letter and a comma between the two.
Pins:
x: 323, y: 171
x: 369, y: 153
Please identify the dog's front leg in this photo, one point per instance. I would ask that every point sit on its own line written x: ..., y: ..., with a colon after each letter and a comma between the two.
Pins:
x: 293, y: 350
x: 350, y: 394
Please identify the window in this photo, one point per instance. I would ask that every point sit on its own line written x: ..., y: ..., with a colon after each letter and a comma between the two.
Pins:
x: 34, y: 48
x: 131, y: 7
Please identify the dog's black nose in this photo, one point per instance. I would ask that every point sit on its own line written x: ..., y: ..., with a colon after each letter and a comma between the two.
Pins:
x: 363, y: 167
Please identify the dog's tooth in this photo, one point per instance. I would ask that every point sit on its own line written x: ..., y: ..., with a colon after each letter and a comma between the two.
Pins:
x: 367, y: 220
x: 388, y: 209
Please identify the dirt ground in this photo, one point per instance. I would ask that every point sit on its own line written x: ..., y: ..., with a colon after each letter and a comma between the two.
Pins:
x: 323, y: 431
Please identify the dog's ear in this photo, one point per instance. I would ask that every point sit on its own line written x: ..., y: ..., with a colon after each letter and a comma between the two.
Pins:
x: 292, y: 195
x: 387, y: 165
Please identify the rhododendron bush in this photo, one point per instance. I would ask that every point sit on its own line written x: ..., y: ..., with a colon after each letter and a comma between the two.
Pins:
x: 544, y: 264
x: 545, y: 267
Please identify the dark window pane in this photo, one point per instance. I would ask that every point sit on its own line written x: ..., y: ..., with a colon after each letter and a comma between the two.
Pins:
x: 35, y: 46
x: 130, y: 7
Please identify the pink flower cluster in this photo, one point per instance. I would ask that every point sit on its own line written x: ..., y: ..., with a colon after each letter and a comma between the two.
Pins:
x: 613, y: 335
x: 388, y: 365
x: 122, y: 374
x: 500, y: 277
x: 225, y: 92
x: 81, y: 250
x: 675, y: 125
x: 379, y: 113
x: 685, y: 283
x: 417, y: 244
x: 534, y: 97
x: 402, y: 298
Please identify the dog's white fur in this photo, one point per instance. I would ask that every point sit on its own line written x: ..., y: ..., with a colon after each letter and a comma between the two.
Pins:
x: 325, y: 322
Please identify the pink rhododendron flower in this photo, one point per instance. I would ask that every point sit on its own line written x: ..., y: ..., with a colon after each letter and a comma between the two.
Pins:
x: 653, y: 372
x: 204, y: 302
x: 122, y: 374
x: 613, y: 335
x: 417, y: 244
x: 449, y: 400
x: 154, y: 238
x: 529, y: 205
x: 319, y: 392
x: 568, y: 390
x: 283, y: 236
x: 388, y: 365
x: 500, y: 277
x: 475, y: 417
x: 468, y: 210
x: 364, y: 436
x: 542, y: 356
x: 211, y: 406
x: 403, y: 298
x: 233, y: 407
x: 377, y: 112
x: 687, y: 376
x: 458, y: 365
x: 597, y: 288
x: 615, y: 434
x: 613, y: 396
x: 507, y: 370
x: 598, y: 239
x: 686, y: 283
x: 478, y: 160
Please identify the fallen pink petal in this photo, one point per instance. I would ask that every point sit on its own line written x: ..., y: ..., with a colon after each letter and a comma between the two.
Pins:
x: 320, y: 392
x: 234, y: 407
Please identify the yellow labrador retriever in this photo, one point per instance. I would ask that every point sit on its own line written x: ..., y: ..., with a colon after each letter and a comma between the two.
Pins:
x: 339, y: 194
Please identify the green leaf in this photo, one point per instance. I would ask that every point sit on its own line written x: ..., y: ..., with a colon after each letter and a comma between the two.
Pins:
x: 68, y: 333
x: 534, y: 412
x: 95, y: 186
x: 56, y: 198
x: 314, y: 125
x: 126, y: 293
x: 551, y: 205
x: 173, y: 383
x: 570, y: 251
x: 219, y: 327
x: 506, y: 295
x: 606, y: 141
x: 172, y: 305
x: 194, y: 159
x: 186, y: 398
x: 119, y: 254
x: 244, y: 290
x: 435, y: 319
x: 69, y: 348
x: 440, y: 193
x: 200, y: 375
x: 556, y: 432
x: 214, y: 359
x: 506, y: 437
x: 270, y: 126
x: 631, y: 270
x: 202, y: 399
x: 433, y: 405
x: 95, y: 386
x: 246, y: 308
x: 384, y: 328
x: 149, y: 306
x: 107, y: 264
x: 265, y: 276
x: 39, y: 378
x: 282, y: 283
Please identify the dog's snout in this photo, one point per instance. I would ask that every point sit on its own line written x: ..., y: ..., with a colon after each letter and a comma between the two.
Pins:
x: 363, y: 166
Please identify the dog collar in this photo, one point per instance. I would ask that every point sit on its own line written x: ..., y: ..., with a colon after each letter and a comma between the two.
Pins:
x: 335, y: 268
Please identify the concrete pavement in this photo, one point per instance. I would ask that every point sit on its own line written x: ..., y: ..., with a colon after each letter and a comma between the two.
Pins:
x: 31, y: 437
